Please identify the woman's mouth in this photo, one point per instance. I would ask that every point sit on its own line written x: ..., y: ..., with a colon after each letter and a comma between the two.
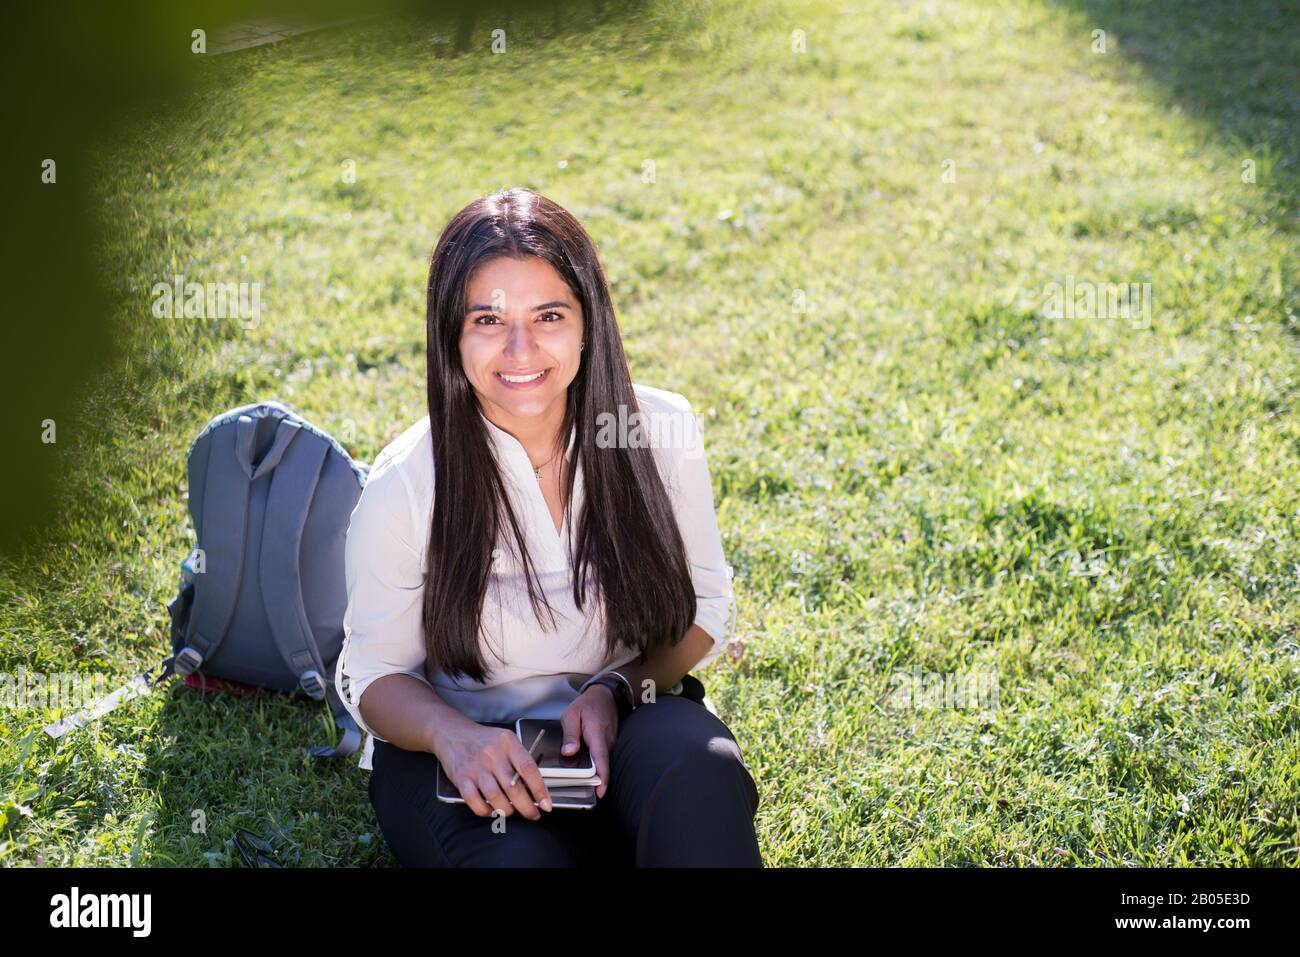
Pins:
x: 523, y: 380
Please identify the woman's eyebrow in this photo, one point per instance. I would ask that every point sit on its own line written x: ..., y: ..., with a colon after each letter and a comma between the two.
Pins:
x: 557, y: 304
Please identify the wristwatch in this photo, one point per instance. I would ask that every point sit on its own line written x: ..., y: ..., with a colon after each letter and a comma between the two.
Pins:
x: 622, y: 692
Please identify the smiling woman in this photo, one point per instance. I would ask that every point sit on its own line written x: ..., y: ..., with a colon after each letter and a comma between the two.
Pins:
x: 591, y: 571
x: 521, y: 360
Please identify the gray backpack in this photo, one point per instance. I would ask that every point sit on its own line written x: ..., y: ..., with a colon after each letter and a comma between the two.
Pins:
x: 262, y: 596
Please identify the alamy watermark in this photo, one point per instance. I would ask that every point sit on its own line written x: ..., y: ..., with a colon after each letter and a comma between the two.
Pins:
x: 77, y: 698
x: 75, y: 909
x: 208, y: 300
x: 975, y: 690
x: 639, y: 430
x: 1074, y: 299
x: 60, y: 691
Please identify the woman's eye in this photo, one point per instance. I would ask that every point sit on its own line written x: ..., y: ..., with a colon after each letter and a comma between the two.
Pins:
x: 487, y: 320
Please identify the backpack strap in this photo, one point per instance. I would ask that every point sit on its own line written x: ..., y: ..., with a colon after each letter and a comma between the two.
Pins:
x: 246, y: 432
x: 347, y: 724
x: 225, y: 520
x: 293, y: 486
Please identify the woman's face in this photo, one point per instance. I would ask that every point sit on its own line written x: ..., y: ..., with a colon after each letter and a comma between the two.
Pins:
x: 520, y: 340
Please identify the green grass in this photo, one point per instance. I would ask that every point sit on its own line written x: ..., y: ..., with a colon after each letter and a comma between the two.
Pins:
x: 917, y: 471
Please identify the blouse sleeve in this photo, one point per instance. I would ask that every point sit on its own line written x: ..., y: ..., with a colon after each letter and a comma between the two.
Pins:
x: 385, y: 582
x: 691, y: 489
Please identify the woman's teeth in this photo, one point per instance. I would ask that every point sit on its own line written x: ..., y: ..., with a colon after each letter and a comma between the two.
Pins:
x: 523, y: 378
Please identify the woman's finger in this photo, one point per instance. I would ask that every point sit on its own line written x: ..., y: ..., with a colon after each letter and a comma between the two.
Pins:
x: 469, y: 791
x: 530, y: 774
x: 571, y: 725
x: 593, y: 732
x: 490, y: 788
x: 515, y: 790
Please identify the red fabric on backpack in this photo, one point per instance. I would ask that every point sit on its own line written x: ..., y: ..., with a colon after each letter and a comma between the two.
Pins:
x: 202, y: 682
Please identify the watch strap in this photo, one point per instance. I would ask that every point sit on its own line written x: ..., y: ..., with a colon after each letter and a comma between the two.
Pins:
x: 621, y: 689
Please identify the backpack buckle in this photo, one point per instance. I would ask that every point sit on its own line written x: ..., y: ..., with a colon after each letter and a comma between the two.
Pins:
x: 312, y: 683
x: 187, y: 661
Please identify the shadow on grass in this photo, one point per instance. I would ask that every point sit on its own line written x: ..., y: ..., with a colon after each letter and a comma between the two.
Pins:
x: 1235, y: 64
x: 472, y: 21
x: 219, y: 761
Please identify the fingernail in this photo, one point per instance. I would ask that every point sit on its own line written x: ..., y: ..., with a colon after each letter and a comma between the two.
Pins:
x: 547, y: 804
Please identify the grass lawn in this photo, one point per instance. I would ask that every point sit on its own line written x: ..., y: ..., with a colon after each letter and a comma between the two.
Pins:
x: 840, y: 256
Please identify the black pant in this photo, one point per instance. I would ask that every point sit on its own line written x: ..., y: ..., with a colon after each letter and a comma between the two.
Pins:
x: 678, y: 795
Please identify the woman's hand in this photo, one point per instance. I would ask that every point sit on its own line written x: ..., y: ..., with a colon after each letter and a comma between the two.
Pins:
x: 592, y: 717
x: 481, y: 761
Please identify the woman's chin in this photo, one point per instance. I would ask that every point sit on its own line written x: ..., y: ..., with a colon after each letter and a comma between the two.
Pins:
x: 523, y: 405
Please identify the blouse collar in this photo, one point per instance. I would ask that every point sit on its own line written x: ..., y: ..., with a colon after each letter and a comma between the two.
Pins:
x: 510, y: 445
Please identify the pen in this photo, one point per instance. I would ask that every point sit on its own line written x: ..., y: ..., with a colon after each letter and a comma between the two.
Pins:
x: 531, y: 748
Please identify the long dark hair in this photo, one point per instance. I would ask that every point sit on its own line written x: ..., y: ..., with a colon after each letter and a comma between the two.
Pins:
x: 627, y: 535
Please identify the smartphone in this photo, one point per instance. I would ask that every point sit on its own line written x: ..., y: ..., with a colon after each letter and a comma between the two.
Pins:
x: 582, y: 797
x: 550, y: 760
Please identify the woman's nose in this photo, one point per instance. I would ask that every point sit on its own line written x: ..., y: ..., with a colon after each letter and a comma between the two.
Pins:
x: 519, y: 340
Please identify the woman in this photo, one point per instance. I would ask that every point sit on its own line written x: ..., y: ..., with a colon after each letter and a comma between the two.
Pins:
x: 534, y: 516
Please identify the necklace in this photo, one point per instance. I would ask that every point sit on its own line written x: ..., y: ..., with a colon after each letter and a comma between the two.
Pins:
x: 537, y: 471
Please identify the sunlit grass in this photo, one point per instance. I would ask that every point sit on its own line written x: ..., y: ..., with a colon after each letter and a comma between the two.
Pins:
x: 915, y: 469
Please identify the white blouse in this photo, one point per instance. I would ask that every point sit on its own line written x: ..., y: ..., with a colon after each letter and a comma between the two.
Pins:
x: 386, y: 551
